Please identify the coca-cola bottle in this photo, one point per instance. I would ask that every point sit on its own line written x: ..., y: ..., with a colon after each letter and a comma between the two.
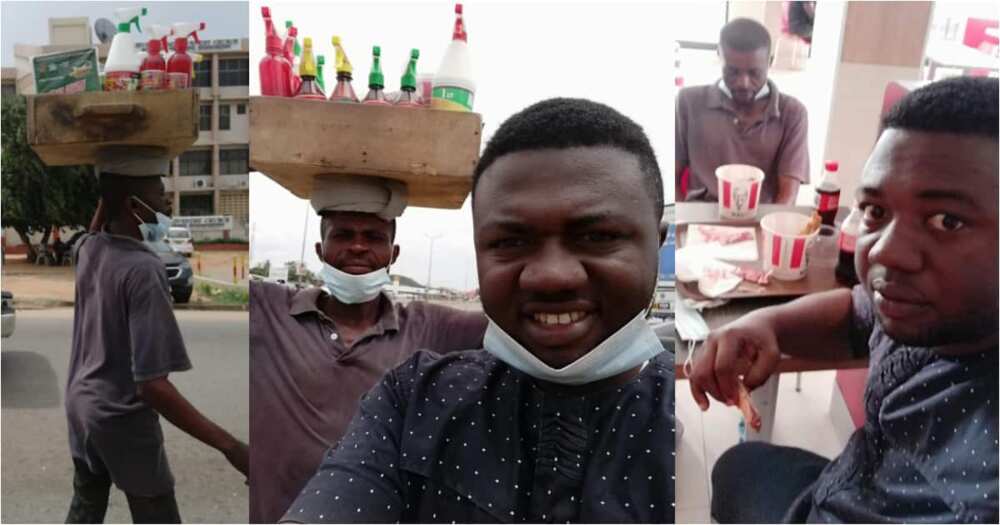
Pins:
x: 828, y: 193
x: 846, y: 274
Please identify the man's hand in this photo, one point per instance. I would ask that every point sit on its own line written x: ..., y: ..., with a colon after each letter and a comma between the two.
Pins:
x: 238, y: 455
x: 746, y: 347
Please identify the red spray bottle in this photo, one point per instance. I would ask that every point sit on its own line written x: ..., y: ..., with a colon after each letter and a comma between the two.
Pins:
x: 180, y: 65
x: 275, y: 70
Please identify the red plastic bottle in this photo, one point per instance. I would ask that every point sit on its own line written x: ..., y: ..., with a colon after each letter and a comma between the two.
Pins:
x: 845, y: 271
x: 289, y: 52
x: 153, y: 71
x: 828, y: 193
x: 179, y: 66
x: 275, y: 70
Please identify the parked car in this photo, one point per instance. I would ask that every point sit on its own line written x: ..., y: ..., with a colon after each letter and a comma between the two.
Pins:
x: 179, y: 271
x: 8, y: 314
x: 179, y: 238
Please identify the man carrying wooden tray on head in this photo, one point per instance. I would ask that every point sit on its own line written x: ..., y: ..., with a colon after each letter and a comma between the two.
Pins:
x: 315, y: 352
x: 125, y: 344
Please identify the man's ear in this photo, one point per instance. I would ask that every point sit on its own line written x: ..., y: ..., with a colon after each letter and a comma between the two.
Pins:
x: 395, y: 254
x: 664, y: 226
x: 319, y: 252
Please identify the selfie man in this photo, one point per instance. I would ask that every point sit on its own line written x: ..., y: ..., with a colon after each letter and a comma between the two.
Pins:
x: 126, y: 342
x: 925, y: 314
x: 568, y: 414
x: 314, y: 352
x: 741, y: 119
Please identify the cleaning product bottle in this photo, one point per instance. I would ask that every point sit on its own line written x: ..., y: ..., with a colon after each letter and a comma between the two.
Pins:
x: 296, y: 49
x: 121, y: 70
x: 289, y: 51
x: 320, y: 61
x: 454, y: 87
x: 376, y: 81
x: 275, y: 70
x: 153, y: 70
x: 408, y: 97
x: 309, y: 89
x: 180, y: 67
x: 343, y: 92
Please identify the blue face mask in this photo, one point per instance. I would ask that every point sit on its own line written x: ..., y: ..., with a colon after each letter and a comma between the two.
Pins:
x: 629, y: 347
x: 153, y: 232
x: 354, y: 289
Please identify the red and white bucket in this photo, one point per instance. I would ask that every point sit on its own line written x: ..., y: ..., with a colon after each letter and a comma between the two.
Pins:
x: 739, y: 190
x: 784, y: 245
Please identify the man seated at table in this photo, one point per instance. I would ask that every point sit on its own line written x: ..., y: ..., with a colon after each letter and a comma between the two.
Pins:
x: 741, y: 119
x: 926, y: 314
x: 569, y: 413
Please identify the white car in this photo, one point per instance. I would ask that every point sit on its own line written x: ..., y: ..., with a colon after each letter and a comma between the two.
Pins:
x: 179, y: 239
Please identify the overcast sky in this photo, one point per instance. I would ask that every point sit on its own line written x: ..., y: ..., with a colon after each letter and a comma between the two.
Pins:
x: 28, y: 22
x: 615, y: 53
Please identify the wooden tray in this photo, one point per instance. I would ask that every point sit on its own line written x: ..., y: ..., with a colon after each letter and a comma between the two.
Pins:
x: 819, y: 277
x: 433, y: 152
x: 70, y: 129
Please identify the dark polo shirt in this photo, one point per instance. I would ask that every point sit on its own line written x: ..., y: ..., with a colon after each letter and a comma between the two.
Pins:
x: 305, y: 384
x: 708, y: 136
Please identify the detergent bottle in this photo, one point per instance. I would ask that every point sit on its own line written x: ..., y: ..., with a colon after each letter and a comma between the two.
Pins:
x: 454, y: 88
x: 320, y: 61
x: 153, y: 70
x: 289, y: 51
x: 296, y: 49
x: 275, y: 70
x: 376, y: 81
x: 343, y: 92
x: 180, y: 67
x: 408, y: 97
x: 121, y: 70
x: 309, y: 89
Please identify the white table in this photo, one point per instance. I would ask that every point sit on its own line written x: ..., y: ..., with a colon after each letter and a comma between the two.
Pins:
x: 956, y: 55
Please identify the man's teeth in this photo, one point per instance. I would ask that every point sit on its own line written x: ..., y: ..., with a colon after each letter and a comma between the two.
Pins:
x: 563, y: 318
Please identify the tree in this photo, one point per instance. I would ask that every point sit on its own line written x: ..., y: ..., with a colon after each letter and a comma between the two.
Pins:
x: 37, y: 197
x: 262, y: 269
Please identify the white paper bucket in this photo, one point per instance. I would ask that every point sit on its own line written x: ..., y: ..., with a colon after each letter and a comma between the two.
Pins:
x: 739, y: 190
x: 784, y: 246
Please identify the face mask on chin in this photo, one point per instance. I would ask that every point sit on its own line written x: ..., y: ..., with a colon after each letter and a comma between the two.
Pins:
x: 153, y: 232
x: 354, y: 289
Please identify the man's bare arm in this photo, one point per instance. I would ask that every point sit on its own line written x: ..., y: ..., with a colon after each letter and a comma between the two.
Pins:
x: 788, y: 190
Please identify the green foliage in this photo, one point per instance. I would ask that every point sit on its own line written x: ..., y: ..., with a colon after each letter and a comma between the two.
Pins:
x: 35, y: 196
x: 263, y: 269
x: 222, y: 295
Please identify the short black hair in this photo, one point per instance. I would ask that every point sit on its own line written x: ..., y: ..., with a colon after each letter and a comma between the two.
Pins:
x: 962, y: 105
x: 745, y: 34
x: 114, y: 189
x: 326, y: 216
x: 560, y: 123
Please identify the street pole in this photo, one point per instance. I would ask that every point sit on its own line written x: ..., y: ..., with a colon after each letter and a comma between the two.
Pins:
x: 305, y: 231
x: 430, y: 258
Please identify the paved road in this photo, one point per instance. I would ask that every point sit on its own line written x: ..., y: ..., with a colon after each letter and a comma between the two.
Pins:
x: 36, y: 467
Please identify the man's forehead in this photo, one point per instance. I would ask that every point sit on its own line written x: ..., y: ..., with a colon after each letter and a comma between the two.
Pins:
x: 345, y: 219
x: 925, y: 158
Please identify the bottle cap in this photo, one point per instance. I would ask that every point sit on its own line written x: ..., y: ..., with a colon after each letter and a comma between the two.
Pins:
x: 832, y: 165
x: 307, y: 66
x: 343, y: 64
x: 376, y: 79
x: 409, y: 79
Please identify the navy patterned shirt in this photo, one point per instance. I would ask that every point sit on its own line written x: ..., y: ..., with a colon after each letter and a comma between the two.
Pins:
x: 465, y: 438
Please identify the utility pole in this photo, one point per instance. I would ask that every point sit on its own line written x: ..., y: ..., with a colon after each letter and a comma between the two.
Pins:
x: 430, y: 257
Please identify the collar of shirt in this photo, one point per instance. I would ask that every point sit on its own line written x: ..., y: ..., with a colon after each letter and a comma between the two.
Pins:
x: 716, y: 99
x: 306, y: 301
x: 124, y: 239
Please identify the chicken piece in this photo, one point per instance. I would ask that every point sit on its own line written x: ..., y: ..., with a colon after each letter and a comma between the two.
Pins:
x: 812, y: 225
x: 749, y: 411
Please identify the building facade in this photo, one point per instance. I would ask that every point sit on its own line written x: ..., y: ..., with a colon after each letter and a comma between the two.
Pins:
x: 208, y: 185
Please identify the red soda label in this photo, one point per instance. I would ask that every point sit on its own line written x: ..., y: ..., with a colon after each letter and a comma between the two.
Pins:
x: 847, y: 243
x: 827, y: 201
x: 178, y: 80
x: 152, y: 79
x: 121, y: 81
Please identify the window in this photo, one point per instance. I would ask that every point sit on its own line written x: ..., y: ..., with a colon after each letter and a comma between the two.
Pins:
x: 196, y: 205
x: 224, y: 116
x: 196, y: 162
x: 203, y: 73
x: 205, y: 117
x: 234, y: 161
x: 241, y: 109
x: 9, y: 90
x: 234, y: 72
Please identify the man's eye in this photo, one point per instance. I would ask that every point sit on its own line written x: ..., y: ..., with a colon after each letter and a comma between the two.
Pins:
x: 945, y: 222
x: 872, y: 212
x: 599, y: 237
x: 507, y: 243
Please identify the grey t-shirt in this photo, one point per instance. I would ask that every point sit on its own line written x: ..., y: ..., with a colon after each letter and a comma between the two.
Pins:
x: 124, y: 332
x: 706, y: 137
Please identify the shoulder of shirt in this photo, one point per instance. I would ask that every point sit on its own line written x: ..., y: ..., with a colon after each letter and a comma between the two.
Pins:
x: 693, y: 93
x: 791, y: 105
x: 267, y: 291
x: 430, y: 309
x: 427, y: 364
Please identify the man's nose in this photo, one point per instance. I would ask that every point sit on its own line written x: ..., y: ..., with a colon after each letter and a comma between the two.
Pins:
x: 553, y: 269
x: 897, y: 249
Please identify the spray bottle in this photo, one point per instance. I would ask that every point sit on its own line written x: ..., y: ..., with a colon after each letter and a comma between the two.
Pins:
x: 454, y: 87
x: 307, y: 71
x: 376, y: 81
x: 275, y: 71
x: 289, y: 52
x: 296, y: 49
x: 343, y: 92
x: 320, y: 62
x: 121, y: 70
x: 153, y: 70
x: 408, y: 97
x: 180, y: 67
